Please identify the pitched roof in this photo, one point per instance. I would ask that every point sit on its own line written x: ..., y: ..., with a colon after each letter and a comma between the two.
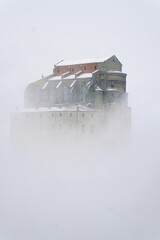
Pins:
x: 81, y: 61
x: 85, y: 61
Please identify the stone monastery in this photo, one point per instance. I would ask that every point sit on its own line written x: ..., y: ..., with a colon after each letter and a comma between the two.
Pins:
x: 79, y: 95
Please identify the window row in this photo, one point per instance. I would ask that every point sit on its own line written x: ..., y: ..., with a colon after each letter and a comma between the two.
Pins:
x: 60, y: 115
x: 72, y: 69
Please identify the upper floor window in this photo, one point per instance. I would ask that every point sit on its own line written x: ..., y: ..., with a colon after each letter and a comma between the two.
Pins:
x: 84, y: 67
x: 58, y: 70
x: 72, y: 69
x: 95, y: 67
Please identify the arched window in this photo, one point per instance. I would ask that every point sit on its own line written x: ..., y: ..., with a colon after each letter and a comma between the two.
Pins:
x: 53, y: 96
x: 66, y: 94
x: 83, y: 93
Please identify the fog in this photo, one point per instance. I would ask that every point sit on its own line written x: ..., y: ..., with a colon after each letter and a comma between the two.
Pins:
x: 81, y: 188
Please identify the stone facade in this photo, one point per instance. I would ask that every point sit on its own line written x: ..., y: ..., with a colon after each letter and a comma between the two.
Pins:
x: 93, y: 84
x: 79, y: 97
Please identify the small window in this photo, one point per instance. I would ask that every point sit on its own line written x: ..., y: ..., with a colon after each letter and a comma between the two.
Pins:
x: 60, y: 114
x: 85, y: 68
x: 72, y: 69
x: 58, y: 70
x: 95, y: 67
x: 113, y: 60
x: 92, y: 115
x: 70, y: 114
x: 83, y: 115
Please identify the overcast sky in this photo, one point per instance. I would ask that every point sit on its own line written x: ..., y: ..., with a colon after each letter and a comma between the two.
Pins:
x: 34, y: 36
x: 37, y: 34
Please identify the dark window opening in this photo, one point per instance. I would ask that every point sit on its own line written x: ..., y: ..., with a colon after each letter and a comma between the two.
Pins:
x: 95, y: 67
x: 58, y: 70
x: 112, y: 85
x: 85, y: 68
x: 113, y: 60
x: 72, y: 69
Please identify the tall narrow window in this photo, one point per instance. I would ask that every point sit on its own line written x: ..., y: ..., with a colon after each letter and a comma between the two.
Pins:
x: 85, y: 68
x: 72, y: 69
x: 95, y: 67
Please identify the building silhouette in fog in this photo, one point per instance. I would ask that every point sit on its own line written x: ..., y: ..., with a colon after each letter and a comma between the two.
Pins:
x: 89, y: 82
x: 79, y: 94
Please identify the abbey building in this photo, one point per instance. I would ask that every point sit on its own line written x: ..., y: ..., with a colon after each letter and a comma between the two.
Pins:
x: 89, y: 82
x: 79, y: 94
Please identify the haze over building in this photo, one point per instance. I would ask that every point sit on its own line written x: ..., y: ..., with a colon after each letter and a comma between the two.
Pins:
x: 78, y: 95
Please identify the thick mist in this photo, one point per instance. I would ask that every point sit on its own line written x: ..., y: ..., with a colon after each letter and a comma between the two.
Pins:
x: 81, y: 188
